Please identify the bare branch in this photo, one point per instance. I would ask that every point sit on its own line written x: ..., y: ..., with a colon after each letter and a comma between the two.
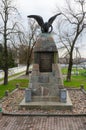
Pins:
x: 2, y: 16
x: 76, y: 20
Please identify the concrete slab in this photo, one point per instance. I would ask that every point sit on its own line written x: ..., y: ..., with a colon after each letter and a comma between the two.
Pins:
x: 46, y: 104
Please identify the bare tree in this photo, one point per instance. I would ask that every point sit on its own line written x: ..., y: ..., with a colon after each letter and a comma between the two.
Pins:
x: 71, y: 27
x: 7, y: 28
x: 33, y: 34
x: 29, y: 39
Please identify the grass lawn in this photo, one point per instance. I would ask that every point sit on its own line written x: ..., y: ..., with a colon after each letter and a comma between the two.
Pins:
x: 76, y: 80
x: 12, y: 85
x: 81, y: 71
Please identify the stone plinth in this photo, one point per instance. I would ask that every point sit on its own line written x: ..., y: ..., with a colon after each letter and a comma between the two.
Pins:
x: 46, y: 82
x: 43, y: 104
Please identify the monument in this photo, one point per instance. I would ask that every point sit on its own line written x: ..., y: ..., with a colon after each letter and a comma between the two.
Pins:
x: 46, y: 87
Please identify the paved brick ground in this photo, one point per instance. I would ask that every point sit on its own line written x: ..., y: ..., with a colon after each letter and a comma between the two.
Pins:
x: 42, y: 123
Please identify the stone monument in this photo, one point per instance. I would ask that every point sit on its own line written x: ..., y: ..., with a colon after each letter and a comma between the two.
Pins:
x: 46, y: 79
x: 46, y: 83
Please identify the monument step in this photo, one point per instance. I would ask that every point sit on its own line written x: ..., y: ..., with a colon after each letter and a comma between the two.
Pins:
x: 45, y: 98
x: 47, y: 104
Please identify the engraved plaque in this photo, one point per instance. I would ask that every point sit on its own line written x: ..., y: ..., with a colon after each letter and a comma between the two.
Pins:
x: 45, y: 64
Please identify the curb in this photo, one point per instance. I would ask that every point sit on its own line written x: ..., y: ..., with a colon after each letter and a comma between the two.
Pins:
x: 83, y: 91
x: 62, y: 115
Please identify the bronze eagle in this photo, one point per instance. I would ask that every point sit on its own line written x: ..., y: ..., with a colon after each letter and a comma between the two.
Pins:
x: 44, y: 26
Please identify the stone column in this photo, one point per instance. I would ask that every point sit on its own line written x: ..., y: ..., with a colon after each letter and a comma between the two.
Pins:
x: 27, y: 95
x: 63, y: 95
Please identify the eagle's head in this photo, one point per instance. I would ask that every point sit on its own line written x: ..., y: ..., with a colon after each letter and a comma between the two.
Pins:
x: 46, y: 28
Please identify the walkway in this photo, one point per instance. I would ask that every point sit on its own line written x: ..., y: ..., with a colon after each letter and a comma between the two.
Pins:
x: 42, y: 123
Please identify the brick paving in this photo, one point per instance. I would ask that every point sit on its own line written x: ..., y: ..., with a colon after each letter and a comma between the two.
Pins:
x: 42, y: 123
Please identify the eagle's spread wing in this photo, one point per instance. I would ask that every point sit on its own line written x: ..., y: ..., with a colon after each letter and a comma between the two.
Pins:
x: 53, y: 18
x: 38, y: 18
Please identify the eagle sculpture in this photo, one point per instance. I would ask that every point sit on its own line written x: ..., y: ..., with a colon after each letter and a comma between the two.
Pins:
x: 47, y: 26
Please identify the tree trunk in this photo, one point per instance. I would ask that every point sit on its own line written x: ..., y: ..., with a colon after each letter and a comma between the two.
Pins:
x: 5, y: 58
x: 27, y: 69
x: 69, y: 68
x: 28, y: 61
x: 6, y: 65
x: 29, y: 56
x: 5, y: 76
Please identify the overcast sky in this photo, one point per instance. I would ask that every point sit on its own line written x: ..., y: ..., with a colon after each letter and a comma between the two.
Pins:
x: 45, y: 8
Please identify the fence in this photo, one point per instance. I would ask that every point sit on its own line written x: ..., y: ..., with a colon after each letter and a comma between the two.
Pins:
x: 13, y: 71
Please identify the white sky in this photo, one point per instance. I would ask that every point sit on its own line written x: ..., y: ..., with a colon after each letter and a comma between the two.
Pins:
x: 44, y: 8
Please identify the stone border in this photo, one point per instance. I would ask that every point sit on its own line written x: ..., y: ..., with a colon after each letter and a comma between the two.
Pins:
x: 5, y: 97
x: 26, y: 114
x: 83, y: 90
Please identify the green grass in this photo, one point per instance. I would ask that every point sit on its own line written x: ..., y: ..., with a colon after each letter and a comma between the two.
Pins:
x: 64, y: 70
x: 12, y: 85
x: 76, y: 80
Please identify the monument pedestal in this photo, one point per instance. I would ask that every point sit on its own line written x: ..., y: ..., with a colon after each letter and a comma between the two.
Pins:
x: 46, y: 81
x: 38, y: 103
